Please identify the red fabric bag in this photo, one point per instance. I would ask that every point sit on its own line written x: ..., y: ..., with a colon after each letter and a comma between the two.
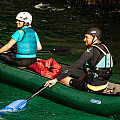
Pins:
x: 48, y: 68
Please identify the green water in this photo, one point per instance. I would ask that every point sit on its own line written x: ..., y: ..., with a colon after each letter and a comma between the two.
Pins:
x: 39, y: 108
x: 56, y: 25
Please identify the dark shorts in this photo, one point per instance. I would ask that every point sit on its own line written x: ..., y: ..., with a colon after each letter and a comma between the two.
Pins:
x: 77, y: 84
x: 19, y: 62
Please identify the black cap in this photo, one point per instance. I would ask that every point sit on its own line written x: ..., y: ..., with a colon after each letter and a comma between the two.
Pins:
x: 94, y: 31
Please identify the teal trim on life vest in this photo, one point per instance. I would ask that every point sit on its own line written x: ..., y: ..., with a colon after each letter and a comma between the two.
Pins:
x: 25, y: 56
x: 105, y: 62
x: 95, y: 75
x: 88, y: 49
x: 87, y: 67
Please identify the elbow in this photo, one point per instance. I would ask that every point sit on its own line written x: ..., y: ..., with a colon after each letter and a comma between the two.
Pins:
x: 39, y: 48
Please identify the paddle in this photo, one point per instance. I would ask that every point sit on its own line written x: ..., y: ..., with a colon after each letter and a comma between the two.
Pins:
x: 20, y: 104
x: 62, y: 51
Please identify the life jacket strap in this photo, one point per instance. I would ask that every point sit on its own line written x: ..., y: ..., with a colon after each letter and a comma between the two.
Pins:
x: 100, y: 49
x: 105, y: 73
x: 105, y: 54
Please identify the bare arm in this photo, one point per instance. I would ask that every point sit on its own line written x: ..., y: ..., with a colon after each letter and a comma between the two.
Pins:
x: 39, y: 46
x: 8, y: 45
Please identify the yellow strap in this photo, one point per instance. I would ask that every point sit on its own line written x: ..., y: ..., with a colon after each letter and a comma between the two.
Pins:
x: 97, y: 88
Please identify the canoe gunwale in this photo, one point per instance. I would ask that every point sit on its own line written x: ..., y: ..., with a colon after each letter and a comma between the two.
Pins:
x: 60, y: 93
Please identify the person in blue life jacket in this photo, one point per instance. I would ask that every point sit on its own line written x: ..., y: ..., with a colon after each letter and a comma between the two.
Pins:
x: 97, y: 63
x: 27, y: 42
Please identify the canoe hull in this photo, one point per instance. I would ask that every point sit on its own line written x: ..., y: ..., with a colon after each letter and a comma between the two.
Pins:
x: 59, y: 93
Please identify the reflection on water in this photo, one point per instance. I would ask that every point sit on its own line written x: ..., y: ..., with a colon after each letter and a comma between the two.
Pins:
x: 49, y: 7
x: 60, y: 25
x: 63, y: 25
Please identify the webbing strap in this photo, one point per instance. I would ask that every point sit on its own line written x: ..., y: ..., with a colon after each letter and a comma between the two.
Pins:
x: 106, y: 48
x: 100, y: 49
x: 104, y: 52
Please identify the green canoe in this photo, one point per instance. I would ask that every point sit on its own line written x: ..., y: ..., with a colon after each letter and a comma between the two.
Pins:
x: 104, y: 105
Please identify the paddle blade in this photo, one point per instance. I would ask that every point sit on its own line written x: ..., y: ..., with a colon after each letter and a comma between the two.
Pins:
x: 62, y: 51
x: 14, y: 106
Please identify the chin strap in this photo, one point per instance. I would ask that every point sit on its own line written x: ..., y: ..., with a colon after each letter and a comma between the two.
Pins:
x: 25, y: 24
x: 94, y: 40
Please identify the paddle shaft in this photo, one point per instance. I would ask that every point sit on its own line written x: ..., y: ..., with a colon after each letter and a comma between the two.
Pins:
x: 36, y: 93
x: 61, y: 51
x: 43, y: 51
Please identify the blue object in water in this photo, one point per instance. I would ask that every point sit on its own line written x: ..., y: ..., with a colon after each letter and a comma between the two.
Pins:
x: 14, y: 106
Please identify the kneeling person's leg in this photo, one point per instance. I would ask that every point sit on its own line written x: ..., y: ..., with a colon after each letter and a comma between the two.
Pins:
x: 77, y: 84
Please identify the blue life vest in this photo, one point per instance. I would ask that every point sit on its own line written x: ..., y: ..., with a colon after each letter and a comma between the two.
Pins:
x: 106, y: 61
x: 103, y: 67
x: 27, y: 47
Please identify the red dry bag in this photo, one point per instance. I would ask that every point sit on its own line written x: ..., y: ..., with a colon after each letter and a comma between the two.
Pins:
x: 48, y: 68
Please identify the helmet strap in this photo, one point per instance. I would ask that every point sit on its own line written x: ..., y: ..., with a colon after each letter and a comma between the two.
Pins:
x: 24, y: 24
x: 94, y: 40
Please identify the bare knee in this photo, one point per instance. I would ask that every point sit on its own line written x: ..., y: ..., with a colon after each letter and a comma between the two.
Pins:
x: 66, y: 80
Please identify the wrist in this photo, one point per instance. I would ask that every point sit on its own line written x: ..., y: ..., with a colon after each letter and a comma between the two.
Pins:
x: 55, y: 80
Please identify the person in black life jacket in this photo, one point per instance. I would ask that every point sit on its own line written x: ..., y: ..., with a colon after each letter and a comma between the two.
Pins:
x: 97, y: 62
x: 27, y: 42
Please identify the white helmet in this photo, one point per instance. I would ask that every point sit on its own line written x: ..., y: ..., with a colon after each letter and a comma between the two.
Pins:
x: 24, y: 16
